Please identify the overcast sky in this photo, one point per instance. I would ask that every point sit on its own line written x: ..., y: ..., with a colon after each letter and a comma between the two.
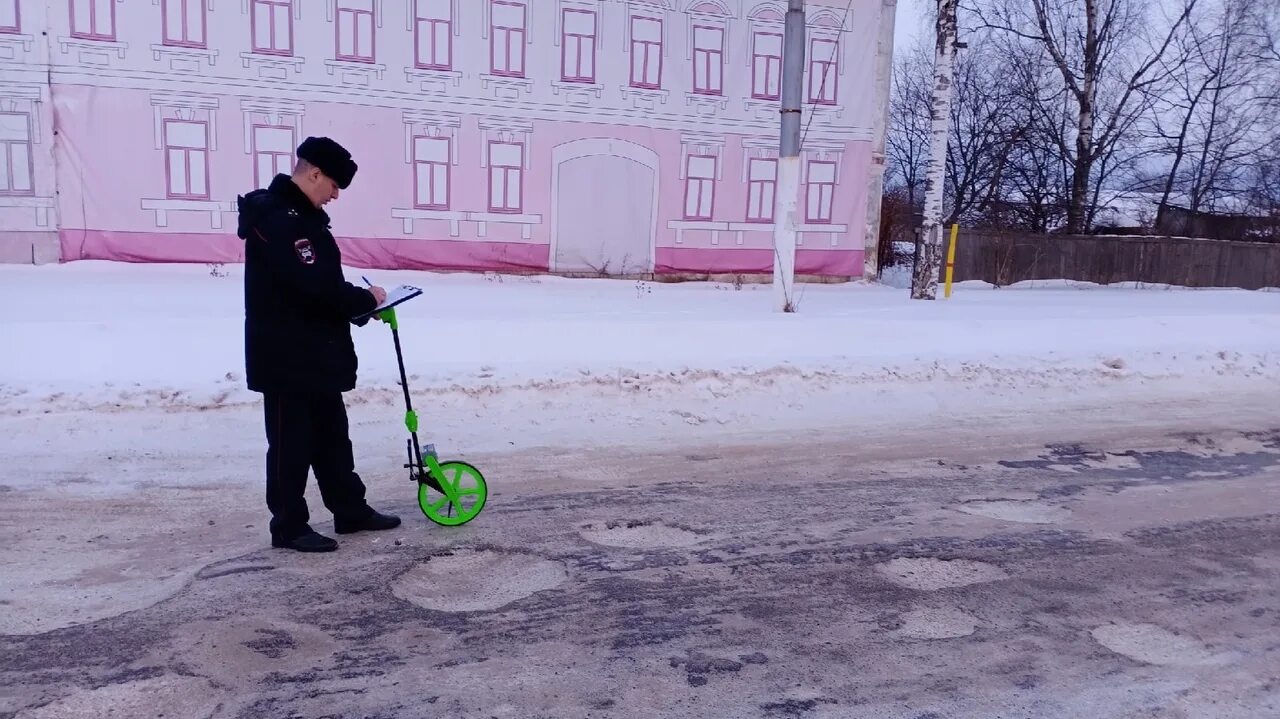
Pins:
x: 909, y: 25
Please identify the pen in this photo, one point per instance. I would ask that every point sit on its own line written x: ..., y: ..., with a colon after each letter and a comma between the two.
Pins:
x: 366, y: 280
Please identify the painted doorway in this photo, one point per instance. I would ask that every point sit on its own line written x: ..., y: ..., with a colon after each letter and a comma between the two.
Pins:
x: 604, y: 198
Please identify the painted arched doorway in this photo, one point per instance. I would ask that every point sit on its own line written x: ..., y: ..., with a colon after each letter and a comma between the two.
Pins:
x: 604, y: 207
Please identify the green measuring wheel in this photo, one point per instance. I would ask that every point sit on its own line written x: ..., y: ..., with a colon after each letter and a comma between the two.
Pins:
x: 449, y: 493
x: 456, y: 496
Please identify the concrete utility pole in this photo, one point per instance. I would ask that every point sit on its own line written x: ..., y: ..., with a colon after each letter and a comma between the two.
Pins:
x: 785, y: 200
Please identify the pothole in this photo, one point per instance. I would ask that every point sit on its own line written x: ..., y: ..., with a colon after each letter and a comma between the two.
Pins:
x: 1010, y: 511
x: 1107, y: 461
x: 928, y: 574
x: 1114, y: 462
x: 1227, y: 446
x: 1153, y: 644
x: 638, y: 535
x: 230, y: 648
x: 159, y: 696
x: 937, y: 623
x: 471, y: 581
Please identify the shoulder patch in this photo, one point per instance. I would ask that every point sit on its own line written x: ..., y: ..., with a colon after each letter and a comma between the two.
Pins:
x: 306, y: 254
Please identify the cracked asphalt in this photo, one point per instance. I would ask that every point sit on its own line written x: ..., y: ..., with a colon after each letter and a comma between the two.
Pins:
x: 792, y: 580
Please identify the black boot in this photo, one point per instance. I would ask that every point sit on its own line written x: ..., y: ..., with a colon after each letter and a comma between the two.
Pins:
x: 373, y: 522
x: 309, y: 541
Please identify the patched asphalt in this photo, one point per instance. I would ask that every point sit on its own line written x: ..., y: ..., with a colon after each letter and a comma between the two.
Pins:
x: 787, y: 581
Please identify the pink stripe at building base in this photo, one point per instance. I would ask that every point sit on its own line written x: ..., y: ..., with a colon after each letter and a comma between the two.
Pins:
x: 434, y: 254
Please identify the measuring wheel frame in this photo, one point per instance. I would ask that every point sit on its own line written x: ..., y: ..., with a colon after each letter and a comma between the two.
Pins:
x: 444, y: 488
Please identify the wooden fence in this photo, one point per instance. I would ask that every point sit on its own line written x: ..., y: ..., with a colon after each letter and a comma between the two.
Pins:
x: 1003, y: 259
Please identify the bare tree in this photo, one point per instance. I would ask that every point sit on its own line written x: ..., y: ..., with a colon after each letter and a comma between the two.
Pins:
x: 983, y: 128
x: 1035, y: 177
x: 989, y: 119
x: 1213, y: 119
x: 907, y: 143
x: 1108, y: 56
x: 989, y: 171
x: 1264, y: 186
x: 1269, y: 49
x: 1039, y: 173
x: 1054, y: 116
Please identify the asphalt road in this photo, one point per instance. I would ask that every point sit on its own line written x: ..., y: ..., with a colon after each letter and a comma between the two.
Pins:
x: 788, y: 581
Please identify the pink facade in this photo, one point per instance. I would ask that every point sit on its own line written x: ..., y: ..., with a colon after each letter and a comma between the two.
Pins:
x: 611, y: 136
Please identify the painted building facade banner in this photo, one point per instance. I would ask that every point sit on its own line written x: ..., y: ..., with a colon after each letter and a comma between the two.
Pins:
x: 599, y: 136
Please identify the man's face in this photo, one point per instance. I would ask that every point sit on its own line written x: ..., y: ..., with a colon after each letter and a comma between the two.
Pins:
x: 320, y: 188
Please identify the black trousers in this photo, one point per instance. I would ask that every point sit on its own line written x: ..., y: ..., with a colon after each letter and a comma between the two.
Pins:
x: 309, y: 432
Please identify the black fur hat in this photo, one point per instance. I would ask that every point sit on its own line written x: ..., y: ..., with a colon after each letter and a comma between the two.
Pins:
x: 332, y: 159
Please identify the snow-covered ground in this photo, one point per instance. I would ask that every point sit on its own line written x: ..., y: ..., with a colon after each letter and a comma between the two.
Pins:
x: 122, y: 400
x: 505, y: 361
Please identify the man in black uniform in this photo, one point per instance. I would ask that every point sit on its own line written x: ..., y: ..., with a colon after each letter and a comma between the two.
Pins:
x: 298, y: 350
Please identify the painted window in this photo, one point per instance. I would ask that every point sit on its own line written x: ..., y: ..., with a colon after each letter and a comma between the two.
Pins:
x: 822, y: 72
x: 355, y: 30
x: 766, y: 66
x: 762, y: 181
x: 433, y: 34
x: 578, y: 46
x: 10, y: 22
x: 506, y: 38
x: 272, y: 27
x: 708, y: 60
x: 822, y: 188
x: 506, y: 177
x: 16, y: 171
x: 700, y: 187
x: 186, y: 147
x: 184, y: 23
x: 431, y: 172
x: 93, y: 19
x: 646, y: 52
x: 273, y: 147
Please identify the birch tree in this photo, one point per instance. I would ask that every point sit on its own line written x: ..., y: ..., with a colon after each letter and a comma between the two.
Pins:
x: 1213, y: 121
x: 1107, y: 55
x: 924, y: 279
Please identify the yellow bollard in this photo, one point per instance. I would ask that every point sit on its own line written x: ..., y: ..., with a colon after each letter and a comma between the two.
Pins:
x: 951, y: 258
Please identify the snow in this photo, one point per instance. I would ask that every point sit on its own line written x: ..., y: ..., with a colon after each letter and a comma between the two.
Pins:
x: 896, y: 276
x: 503, y: 361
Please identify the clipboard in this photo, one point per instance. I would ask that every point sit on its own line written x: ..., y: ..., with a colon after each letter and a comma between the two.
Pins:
x: 398, y: 295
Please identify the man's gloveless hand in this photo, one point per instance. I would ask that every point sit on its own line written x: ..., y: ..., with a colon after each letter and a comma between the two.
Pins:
x: 379, y: 294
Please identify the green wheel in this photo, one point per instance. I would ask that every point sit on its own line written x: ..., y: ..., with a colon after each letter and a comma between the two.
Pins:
x: 468, y: 488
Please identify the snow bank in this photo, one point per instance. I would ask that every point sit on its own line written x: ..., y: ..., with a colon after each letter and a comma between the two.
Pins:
x: 94, y: 335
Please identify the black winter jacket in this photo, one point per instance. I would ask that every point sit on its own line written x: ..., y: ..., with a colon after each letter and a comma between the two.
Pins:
x: 298, y: 306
